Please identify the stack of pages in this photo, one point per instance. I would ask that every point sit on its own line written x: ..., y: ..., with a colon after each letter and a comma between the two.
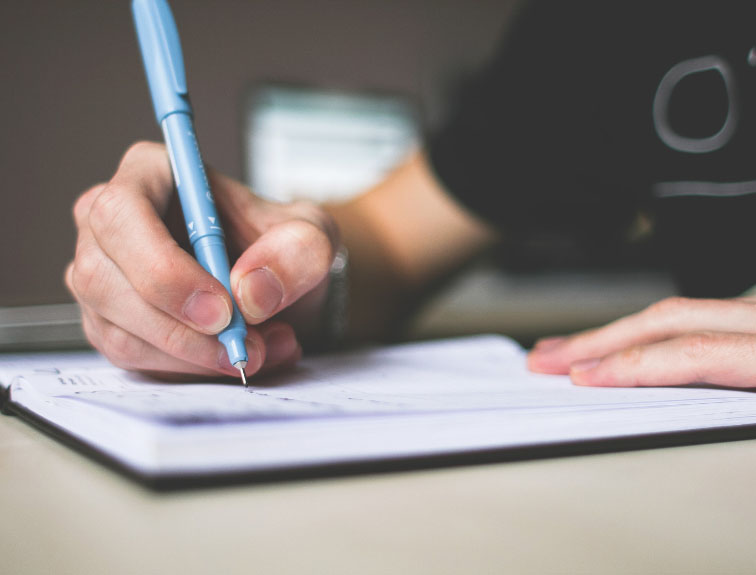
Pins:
x: 443, y: 401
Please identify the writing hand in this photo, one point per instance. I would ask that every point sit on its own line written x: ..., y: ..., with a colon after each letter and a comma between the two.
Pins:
x: 676, y: 341
x: 148, y: 305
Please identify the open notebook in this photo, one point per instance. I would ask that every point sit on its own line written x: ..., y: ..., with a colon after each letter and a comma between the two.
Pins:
x: 427, y: 403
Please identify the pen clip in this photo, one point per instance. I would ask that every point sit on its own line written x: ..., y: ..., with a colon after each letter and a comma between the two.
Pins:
x: 161, y: 53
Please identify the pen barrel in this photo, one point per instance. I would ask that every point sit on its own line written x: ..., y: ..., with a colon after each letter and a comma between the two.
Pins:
x: 162, y: 57
x: 202, y: 223
x: 197, y: 202
x: 210, y: 252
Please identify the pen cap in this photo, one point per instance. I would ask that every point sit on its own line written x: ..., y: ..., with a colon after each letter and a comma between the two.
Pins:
x: 161, y: 53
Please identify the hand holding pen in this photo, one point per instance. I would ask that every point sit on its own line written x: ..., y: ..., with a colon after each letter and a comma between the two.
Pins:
x: 146, y: 303
x: 164, y: 66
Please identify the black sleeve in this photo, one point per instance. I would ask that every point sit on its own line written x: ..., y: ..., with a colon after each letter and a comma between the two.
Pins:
x: 524, y: 146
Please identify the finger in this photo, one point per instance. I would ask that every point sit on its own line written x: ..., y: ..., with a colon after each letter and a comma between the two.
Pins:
x: 664, y: 320
x: 244, y: 214
x: 108, y: 295
x: 146, y: 166
x: 281, y: 345
x: 716, y: 358
x: 83, y: 205
x: 126, y: 350
x: 249, y: 215
x: 288, y: 260
x: 125, y: 222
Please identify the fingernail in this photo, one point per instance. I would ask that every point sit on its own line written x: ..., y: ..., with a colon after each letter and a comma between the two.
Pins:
x: 280, y: 344
x: 261, y: 293
x: 208, y: 310
x: 584, y: 364
x: 548, y: 343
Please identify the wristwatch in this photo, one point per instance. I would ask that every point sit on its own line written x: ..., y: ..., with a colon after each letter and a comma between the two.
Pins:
x: 335, y: 315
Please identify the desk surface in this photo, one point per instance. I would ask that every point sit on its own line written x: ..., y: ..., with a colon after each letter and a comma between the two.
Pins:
x: 673, y: 510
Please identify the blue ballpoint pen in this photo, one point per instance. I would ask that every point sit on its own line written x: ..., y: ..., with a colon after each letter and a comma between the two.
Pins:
x: 164, y: 66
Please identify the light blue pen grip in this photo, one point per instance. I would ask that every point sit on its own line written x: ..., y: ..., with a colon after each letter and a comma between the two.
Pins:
x: 164, y: 66
x: 202, y: 223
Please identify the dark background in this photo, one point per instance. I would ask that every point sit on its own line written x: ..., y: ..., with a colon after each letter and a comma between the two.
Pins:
x: 74, y: 96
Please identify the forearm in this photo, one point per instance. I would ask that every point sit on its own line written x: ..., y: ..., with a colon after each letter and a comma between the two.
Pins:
x: 403, y: 236
x: 377, y: 290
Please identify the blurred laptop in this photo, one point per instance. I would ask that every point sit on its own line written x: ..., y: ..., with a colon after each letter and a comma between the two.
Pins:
x: 323, y: 145
x: 41, y: 327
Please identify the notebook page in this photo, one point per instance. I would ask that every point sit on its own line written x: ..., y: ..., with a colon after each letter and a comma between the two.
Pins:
x: 416, y: 399
x: 12, y: 364
x: 479, y: 373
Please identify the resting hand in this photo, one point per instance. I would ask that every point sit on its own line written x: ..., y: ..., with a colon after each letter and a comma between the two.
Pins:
x: 677, y: 341
x: 146, y: 302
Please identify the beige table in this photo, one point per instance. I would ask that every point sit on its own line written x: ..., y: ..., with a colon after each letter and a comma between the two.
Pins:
x: 675, y: 510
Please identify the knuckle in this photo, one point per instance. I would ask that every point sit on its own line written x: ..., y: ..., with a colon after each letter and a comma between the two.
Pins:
x: 698, y: 345
x: 105, y: 210
x: 156, y: 281
x: 83, y: 204
x: 305, y: 209
x: 315, y: 214
x: 87, y: 272
x: 140, y: 148
x: 172, y: 340
x: 81, y: 209
x: 68, y: 278
x: 632, y: 357
x: 626, y: 366
x: 312, y: 240
x: 662, y: 316
x: 668, y: 306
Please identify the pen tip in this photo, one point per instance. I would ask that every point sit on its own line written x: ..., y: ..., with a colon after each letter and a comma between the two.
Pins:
x: 240, y: 365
